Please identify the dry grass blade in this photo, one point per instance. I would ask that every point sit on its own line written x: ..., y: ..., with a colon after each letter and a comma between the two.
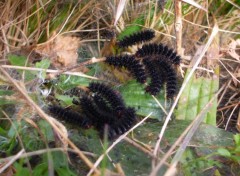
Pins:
x: 236, y: 5
x: 120, y: 9
x: 193, y: 3
x: 39, y: 152
x: 229, y: 118
x: 213, y: 34
x: 16, y: 157
x: 233, y: 77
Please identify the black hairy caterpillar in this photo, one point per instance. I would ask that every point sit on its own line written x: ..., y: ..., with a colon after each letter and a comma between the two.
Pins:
x: 118, y: 117
x: 159, y: 50
x: 136, y: 38
x: 156, y: 77
x: 70, y: 116
x: 170, y: 77
x: 98, y: 116
x: 112, y: 97
x: 121, y: 125
x: 129, y: 62
x: 105, y: 107
x: 102, y: 104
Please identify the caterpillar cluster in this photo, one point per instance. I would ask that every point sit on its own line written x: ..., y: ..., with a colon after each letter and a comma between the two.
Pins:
x: 102, y: 107
x: 153, y: 61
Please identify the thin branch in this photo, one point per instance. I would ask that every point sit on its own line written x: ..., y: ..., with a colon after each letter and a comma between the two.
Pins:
x: 189, y: 131
x: 213, y: 34
x: 42, y: 151
x: 16, y: 157
x: 49, y: 71
x: 178, y: 25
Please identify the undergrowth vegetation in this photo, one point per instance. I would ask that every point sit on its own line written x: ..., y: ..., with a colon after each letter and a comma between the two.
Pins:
x: 51, y: 51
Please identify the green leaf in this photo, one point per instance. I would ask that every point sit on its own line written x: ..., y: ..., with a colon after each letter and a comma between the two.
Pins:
x: 46, y: 129
x: 198, y: 92
x: 41, y: 169
x: 17, y: 60
x: 4, y: 101
x: 68, y: 82
x: 45, y: 63
x: 237, y: 139
x: 65, y: 98
x: 135, y: 27
x: 6, y: 92
x: 134, y: 95
x: 224, y: 152
x: 21, y: 61
x: 20, y: 170
x: 65, y: 172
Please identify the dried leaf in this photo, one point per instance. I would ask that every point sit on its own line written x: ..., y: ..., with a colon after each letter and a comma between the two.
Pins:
x: 232, y: 49
x: 62, y: 51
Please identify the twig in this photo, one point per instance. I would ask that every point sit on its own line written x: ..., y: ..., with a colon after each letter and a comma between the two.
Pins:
x: 189, y: 131
x: 214, y: 32
x: 178, y: 25
x: 190, y: 134
x: 90, y: 61
x: 159, y: 104
x: 49, y: 71
x: 229, y: 72
x: 229, y: 106
x: 132, y: 142
x: 12, y: 160
x: 39, y: 152
x: 230, y: 116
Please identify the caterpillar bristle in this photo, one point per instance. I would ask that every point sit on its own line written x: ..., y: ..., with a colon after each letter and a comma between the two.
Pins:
x: 113, y: 97
x: 121, y: 125
x: 102, y: 104
x: 156, y: 77
x: 136, y: 38
x: 159, y: 50
x: 130, y: 63
x: 98, y: 116
x: 171, y: 78
x: 70, y: 116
